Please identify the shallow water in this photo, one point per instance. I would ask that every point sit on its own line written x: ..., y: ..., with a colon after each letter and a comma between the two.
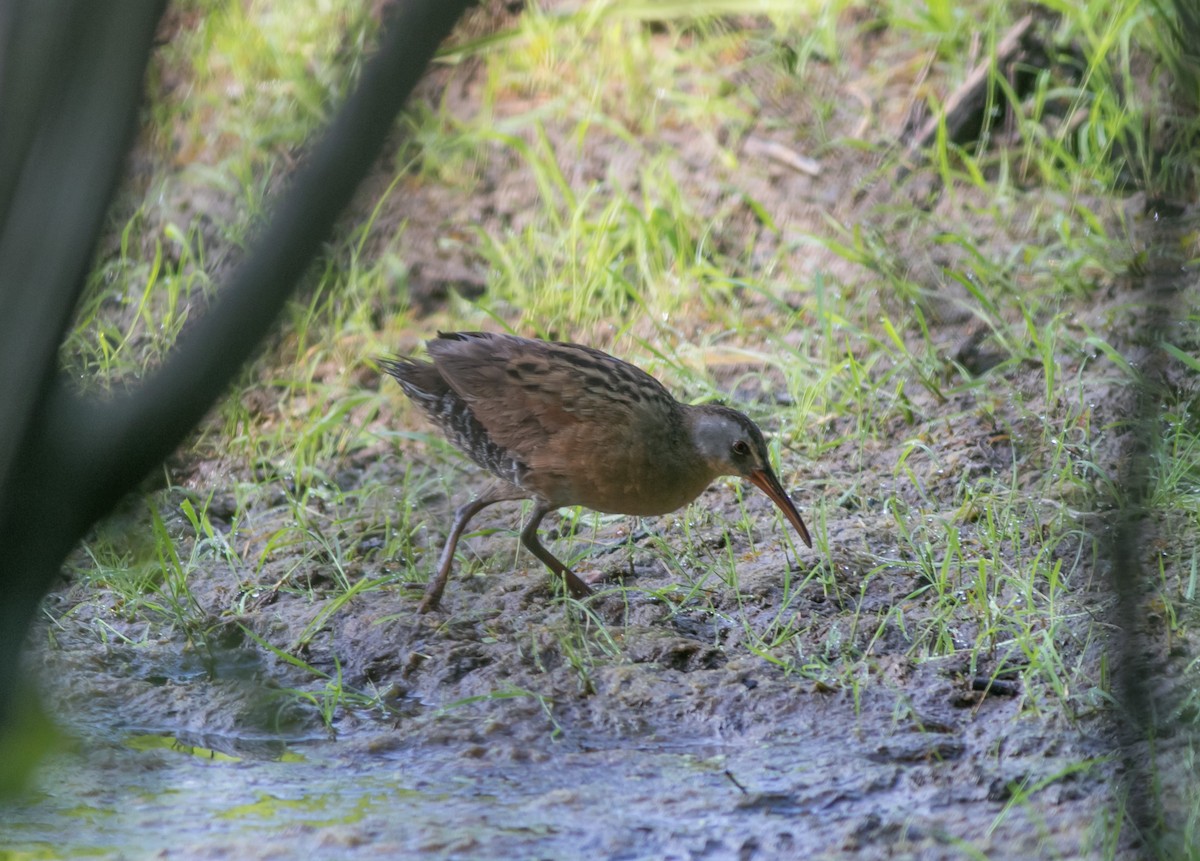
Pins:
x: 812, y: 795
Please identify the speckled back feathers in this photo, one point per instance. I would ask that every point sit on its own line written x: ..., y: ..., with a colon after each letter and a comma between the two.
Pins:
x: 564, y: 421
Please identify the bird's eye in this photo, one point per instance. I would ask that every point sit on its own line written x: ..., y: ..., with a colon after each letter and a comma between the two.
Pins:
x: 741, y: 448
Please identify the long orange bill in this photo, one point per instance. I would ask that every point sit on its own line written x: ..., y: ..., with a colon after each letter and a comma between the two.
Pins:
x: 766, y: 481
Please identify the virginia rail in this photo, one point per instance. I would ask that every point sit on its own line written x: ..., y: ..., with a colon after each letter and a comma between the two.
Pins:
x: 563, y: 424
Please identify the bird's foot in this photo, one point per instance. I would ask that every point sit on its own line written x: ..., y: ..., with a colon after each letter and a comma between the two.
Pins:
x: 578, y: 588
x: 432, y: 601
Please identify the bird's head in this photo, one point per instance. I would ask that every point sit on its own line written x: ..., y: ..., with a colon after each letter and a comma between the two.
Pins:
x: 732, y: 444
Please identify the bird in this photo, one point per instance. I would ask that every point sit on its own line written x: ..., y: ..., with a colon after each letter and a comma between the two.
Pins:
x: 564, y: 424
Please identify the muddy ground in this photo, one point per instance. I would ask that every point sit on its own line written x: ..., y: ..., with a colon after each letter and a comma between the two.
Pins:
x: 660, y: 726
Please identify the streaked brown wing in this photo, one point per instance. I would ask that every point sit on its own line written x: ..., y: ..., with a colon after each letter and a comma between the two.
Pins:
x: 525, y: 393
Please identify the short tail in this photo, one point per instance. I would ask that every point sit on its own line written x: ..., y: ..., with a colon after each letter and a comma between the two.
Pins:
x: 420, y: 380
x: 400, y: 367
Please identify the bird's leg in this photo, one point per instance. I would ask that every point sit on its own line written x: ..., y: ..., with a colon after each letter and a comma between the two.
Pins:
x: 529, y: 538
x: 497, y: 491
